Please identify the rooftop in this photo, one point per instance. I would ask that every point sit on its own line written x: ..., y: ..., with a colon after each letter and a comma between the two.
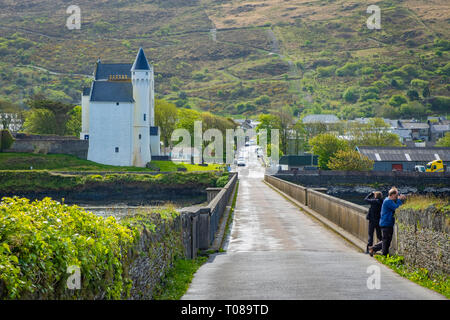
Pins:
x: 108, y: 91
x: 320, y: 118
x: 403, y: 154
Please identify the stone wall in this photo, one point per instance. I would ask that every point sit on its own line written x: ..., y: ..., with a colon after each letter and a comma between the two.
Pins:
x: 154, y: 254
x: 424, y: 238
x: 47, y: 144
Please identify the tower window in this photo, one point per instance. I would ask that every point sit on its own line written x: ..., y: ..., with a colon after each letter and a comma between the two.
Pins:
x: 117, y: 149
x: 140, y: 136
x: 117, y: 103
x: 145, y: 117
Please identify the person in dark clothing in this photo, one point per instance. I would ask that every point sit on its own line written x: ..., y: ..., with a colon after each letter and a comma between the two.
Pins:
x: 375, y: 199
x: 387, y: 221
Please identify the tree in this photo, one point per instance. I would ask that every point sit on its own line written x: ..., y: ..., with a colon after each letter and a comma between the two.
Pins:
x: 325, y: 146
x: 412, y: 94
x: 268, y: 122
x: 285, y: 116
x: 166, y: 117
x: 444, y: 141
x: 74, y: 123
x: 47, y: 116
x: 374, y: 134
x: 6, y: 140
x: 350, y: 160
x: 426, y: 92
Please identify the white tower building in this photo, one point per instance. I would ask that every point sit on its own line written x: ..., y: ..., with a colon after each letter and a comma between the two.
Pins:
x: 118, y: 114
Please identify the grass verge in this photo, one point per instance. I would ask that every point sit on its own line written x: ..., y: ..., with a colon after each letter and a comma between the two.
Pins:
x: 63, y: 162
x: 421, y: 276
x: 176, y: 282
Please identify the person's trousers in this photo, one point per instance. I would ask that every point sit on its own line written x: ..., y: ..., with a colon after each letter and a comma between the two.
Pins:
x: 386, y: 240
x: 373, y: 226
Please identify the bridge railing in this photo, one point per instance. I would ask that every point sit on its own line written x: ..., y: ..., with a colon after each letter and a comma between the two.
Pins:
x: 203, y: 222
x: 344, y: 214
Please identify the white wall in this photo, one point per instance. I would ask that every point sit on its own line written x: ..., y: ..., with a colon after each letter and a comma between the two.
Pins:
x: 111, y: 126
x: 84, y: 116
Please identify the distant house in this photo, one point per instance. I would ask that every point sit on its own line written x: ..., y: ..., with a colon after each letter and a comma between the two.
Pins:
x: 419, y: 130
x: 292, y: 162
x: 439, y: 126
x: 403, y: 159
x: 320, y: 118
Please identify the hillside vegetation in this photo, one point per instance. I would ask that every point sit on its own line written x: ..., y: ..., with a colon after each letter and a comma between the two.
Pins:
x: 240, y: 58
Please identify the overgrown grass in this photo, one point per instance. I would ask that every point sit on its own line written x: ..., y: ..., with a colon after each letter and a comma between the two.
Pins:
x: 176, y: 282
x: 421, y: 276
x: 62, y: 162
x: 419, y: 202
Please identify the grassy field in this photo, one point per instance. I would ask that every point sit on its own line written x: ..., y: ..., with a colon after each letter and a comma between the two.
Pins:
x: 60, y: 162
x: 288, y: 51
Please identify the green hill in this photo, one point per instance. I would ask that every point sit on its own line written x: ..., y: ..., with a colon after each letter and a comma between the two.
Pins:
x: 238, y: 58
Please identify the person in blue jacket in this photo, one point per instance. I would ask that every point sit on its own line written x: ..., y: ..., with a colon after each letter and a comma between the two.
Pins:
x: 387, y: 221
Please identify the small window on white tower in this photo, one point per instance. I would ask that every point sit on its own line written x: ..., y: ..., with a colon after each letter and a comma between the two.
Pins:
x: 145, y: 117
x: 117, y: 149
x: 140, y: 136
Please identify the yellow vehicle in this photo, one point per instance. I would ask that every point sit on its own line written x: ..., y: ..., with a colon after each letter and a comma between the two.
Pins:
x: 436, y: 166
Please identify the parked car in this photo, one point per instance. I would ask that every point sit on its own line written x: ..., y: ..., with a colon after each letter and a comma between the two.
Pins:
x: 241, y: 162
x: 419, y: 168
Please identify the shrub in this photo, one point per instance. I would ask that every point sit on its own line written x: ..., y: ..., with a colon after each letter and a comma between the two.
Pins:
x: 40, y: 240
x: 418, y: 83
x: 351, y: 94
x: 440, y: 103
x: 326, y: 71
x: 397, y: 100
x: 349, y: 69
x: 262, y: 100
x: 369, y: 96
x: 412, y: 94
x: 6, y: 140
x: 222, y: 181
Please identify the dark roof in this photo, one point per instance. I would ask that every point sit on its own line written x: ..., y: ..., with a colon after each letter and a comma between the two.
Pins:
x: 292, y: 160
x: 112, y: 91
x: 141, y: 62
x: 405, y: 154
x: 104, y: 70
x: 414, y: 125
x: 86, y: 91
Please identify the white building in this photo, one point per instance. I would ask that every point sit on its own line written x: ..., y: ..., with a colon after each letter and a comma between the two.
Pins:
x: 118, y: 114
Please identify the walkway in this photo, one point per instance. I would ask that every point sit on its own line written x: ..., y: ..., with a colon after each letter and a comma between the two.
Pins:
x: 277, y: 252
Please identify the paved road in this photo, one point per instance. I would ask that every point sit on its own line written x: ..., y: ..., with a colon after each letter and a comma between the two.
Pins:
x: 277, y: 252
